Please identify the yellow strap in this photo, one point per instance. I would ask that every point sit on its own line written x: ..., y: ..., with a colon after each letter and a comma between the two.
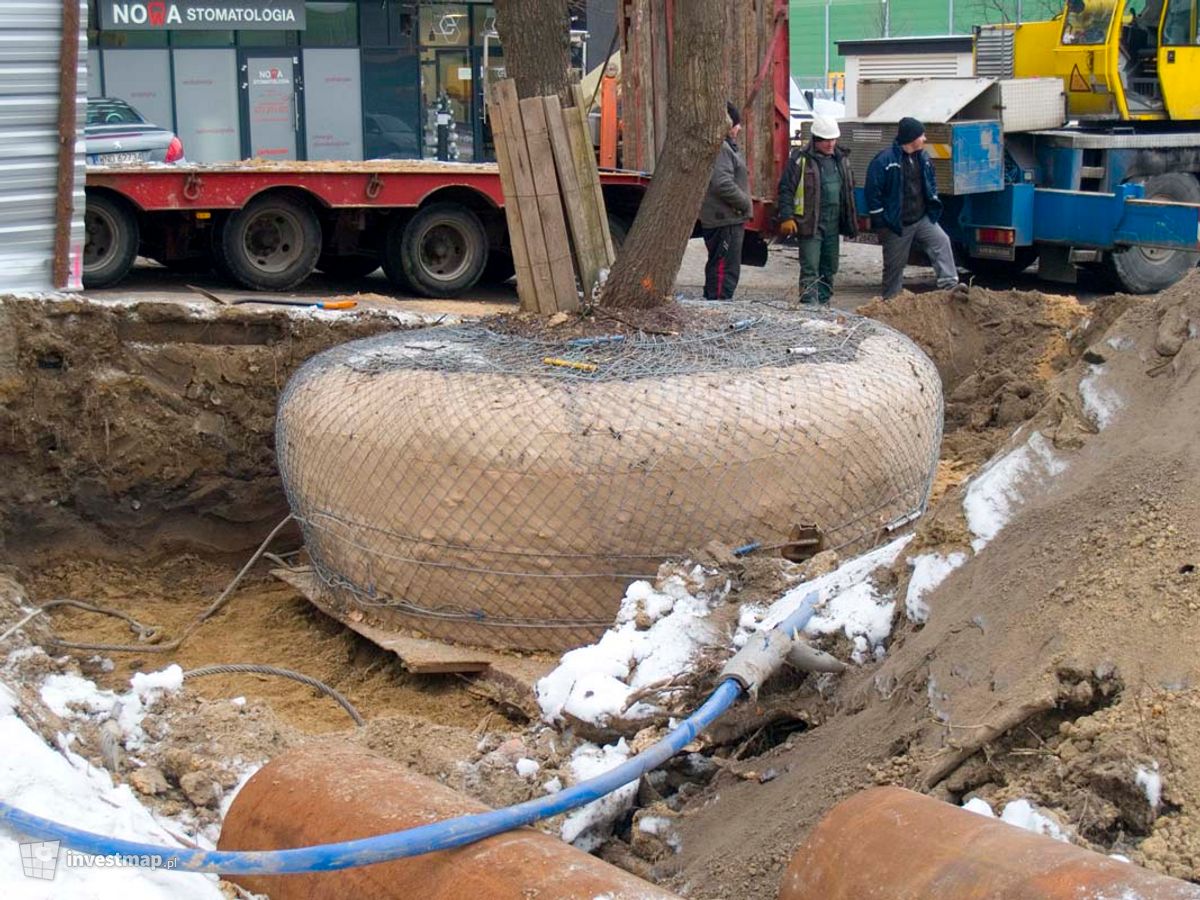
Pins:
x: 798, y: 200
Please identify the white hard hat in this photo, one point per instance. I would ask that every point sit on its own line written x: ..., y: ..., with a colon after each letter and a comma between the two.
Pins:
x: 825, y: 128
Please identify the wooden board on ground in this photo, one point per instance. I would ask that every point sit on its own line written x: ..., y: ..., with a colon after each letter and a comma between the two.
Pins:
x: 514, y: 676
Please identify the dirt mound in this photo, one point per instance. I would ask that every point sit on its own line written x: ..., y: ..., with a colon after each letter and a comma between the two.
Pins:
x: 151, y: 421
x: 1058, y: 663
x: 996, y: 352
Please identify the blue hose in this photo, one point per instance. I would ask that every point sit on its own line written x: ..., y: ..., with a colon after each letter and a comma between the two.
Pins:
x: 414, y: 841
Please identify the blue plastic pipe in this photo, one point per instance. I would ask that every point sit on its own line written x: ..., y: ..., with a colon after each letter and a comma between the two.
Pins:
x: 413, y: 841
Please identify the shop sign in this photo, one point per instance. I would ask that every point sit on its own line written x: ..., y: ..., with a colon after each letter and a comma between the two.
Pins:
x: 184, y: 15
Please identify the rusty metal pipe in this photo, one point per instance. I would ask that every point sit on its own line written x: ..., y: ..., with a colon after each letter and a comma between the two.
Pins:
x: 321, y: 795
x: 893, y: 843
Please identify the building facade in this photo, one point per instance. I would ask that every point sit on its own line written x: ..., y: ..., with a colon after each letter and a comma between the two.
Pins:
x: 290, y: 79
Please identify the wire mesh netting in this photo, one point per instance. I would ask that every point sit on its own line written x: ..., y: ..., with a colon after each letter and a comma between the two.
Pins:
x: 504, y: 490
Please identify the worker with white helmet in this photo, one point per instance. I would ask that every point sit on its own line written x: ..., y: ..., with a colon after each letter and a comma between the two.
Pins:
x: 816, y: 204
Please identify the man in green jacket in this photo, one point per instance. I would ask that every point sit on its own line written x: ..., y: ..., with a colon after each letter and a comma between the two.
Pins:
x: 816, y: 203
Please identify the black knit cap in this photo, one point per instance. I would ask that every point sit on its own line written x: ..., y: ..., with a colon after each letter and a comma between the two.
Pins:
x: 910, y: 129
x: 735, y: 115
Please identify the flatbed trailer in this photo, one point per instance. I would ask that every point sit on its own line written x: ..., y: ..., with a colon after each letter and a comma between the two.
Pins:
x: 436, y: 228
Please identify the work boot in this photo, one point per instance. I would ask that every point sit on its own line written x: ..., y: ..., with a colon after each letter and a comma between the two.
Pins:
x: 960, y: 291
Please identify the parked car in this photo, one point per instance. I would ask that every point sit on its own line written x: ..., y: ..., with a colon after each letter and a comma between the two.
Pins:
x: 118, y: 133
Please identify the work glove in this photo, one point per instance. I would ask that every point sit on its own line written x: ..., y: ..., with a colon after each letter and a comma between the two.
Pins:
x: 787, y: 227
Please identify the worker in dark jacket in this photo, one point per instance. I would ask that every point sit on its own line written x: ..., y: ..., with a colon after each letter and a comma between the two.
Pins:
x: 903, y: 203
x: 816, y: 203
x: 724, y: 213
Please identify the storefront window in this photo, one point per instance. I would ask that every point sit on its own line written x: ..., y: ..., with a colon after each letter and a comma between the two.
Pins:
x: 268, y: 38
x: 122, y: 40
x: 202, y: 39
x: 445, y: 25
x: 332, y: 24
x: 391, y: 126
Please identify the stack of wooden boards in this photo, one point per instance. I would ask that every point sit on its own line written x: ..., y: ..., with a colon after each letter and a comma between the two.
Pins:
x: 557, y: 223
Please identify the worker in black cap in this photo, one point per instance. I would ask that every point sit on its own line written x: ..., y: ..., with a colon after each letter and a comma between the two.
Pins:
x: 724, y: 214
x: 904, y: 207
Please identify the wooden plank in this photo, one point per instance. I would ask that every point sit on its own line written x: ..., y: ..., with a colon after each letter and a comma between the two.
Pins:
x: 645, y: 61
x: 526, y: 288
x: 658, y: 53
x: 578, y: 133
x: 587, y: 261
x: 515, y: 675
x: 549, y: 204
x: 526, y: 196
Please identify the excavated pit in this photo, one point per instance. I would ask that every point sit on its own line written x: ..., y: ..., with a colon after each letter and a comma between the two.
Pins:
x: 138, y: 440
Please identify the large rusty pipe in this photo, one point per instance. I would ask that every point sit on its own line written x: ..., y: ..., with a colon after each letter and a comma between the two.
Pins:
x: 893, y: 843
x: 321, y: 795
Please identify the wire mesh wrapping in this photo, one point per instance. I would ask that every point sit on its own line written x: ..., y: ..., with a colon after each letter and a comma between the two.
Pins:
x: 503, y: 490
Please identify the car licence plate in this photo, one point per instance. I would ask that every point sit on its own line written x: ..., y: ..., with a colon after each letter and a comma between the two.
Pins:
x: 103, y: 158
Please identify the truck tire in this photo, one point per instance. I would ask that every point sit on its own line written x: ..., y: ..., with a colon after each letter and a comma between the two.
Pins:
x: 442, y: 251
x: 1144, y: 270
x: 1002, y: 269
x: 348, y: 267
x: 500, y: 267
x: 270, y: 244
x: 110, y: 240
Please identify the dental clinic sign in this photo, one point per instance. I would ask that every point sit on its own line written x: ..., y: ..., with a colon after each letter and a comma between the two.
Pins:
x: 181, y: 15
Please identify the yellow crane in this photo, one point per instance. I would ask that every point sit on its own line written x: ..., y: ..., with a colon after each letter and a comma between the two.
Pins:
x: 1118, y: 59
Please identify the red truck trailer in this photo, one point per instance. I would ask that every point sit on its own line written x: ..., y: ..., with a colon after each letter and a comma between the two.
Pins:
x: 436, y: 228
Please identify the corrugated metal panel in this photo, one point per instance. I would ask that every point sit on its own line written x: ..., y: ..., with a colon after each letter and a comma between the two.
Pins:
x: 30, y: 37
x: 908, y: 65
x: 994, y: 51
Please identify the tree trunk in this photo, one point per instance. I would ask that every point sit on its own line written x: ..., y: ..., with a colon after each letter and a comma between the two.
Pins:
x: 535, y: 35
x: 644, y: 273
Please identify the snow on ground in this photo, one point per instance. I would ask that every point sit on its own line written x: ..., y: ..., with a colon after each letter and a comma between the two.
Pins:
x: 1150, y: 781
x: 588, y: 826
x: 593, y: 683
x: 1099, y: 402
x: 994, y: 494
x: 929, y: 570
x: 1022, y: 814
x: 62, y: 786
x: 67, y: 695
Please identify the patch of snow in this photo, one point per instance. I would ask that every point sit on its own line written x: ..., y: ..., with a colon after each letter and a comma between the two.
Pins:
x: 994, y: 494
x: 662, y: 827
x: 68, y: 695
x: 1025, y: 815
x: 527, y: 768
x: 588, y: 826
x: 63, y: 787
x: 238, y: 701
x: 1120, y: 342
x: 593, y: 683
x: 1100, y: 403
x: 553, y: 786
x: 1120, y: 858
x: 979, y: 806
x: 846, y: 602
x: 1151, y: 782
x: 929, y: 570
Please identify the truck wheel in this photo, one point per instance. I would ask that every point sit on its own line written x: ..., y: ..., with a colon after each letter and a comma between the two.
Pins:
x: 1144, y: 270
x: 500, y: 267
x: 271, y: 244
x: 442, y: 250
x: 110, y: 241
x: 1002, y: 269
x: 348, y: 266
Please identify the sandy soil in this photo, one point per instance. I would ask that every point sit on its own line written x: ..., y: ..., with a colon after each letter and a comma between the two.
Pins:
x: 1054, y: 664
